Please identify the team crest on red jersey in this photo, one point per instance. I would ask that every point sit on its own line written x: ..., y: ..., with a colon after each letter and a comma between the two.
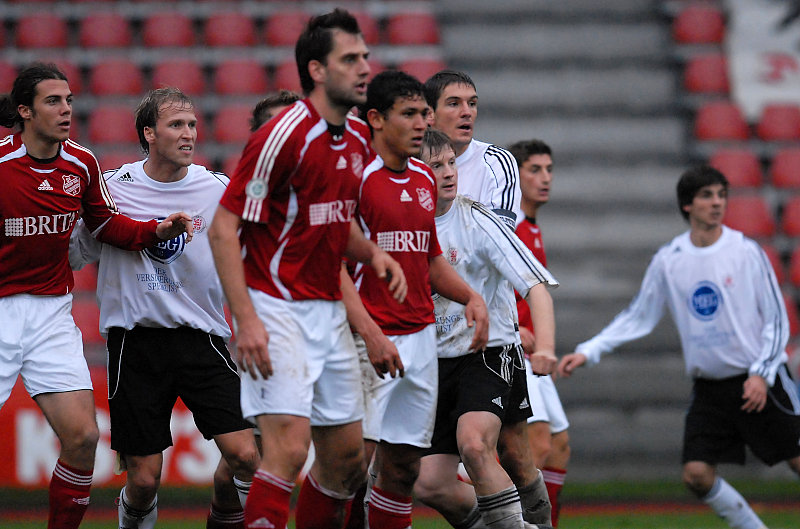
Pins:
x: 425, y: 199
x: 452, y: 256
x: 72, y: 184
x: 357, y: 163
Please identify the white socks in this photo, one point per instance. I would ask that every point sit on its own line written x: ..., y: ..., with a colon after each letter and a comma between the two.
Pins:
x: 731, y: 506
x: 130, y: 518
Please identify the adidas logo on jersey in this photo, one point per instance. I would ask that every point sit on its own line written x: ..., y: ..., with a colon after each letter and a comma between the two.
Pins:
x: 261, y: 523
x: 498, y: 401
x: 125, y: 178
x: 45, y: 186
x: 405, y: 197
x: 524, y: 404
x: 341, y: 163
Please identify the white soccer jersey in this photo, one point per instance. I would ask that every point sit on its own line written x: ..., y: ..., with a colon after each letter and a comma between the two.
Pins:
x: 493, y: 261
x: 725, y: 301
x: 489, y: 174
x: 172, y: 284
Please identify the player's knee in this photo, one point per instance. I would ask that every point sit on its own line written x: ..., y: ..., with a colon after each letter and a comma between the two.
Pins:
x: 429, y: 490
x: 142, y: 485
x: 243, y: 462
x: 794, y: 464
x: 81, y: 440
x: 698, y: 478
x: 475, y: 453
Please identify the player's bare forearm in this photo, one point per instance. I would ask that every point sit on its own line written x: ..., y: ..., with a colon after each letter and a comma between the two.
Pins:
x: 251, y: 336
x: 543, y: 360
x: 361, y: 249
x: 446, y: 282
x: 382, y: 352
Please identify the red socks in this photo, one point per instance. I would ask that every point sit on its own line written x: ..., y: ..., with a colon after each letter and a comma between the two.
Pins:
x: 69, y: 496
x: 356, y: 519
x: 554, y: 480
x: 268, y: 502
x: 388, y: 510
x: 319, y: 508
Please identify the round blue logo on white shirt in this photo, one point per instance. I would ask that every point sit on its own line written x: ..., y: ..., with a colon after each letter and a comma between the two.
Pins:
x: 167, y: 251
x: 705, y: 301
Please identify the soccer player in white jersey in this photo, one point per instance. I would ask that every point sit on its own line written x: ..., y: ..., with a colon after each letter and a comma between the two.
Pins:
x: 547, y: 428
x: 48, y: 181
x: 475, y: 386
x: 396, y: 207
x: 294, y: 194
x: 162, y: 312
x: 723, y: 296
x: 489, y: 175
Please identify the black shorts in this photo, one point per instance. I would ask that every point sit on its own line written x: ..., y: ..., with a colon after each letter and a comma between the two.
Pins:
x: 149, y: 368
x: 473, y: 382
x: 717, y: 430
x: 519, y: 407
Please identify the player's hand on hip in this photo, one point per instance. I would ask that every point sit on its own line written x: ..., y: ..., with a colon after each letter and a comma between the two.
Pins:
x: 251, y: 348
x: 528, y: 340
x: 388, y: 269
x: 569, y: 363
x: 174, y: 225
x: 477, y: 316
x: 754, y: 394
x: 543, y: 362
x: 384, y: 356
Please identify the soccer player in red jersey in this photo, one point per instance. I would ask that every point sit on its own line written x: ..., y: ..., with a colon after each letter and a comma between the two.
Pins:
x: 294, y: 193
x: 49, y: 179
x: 396, y: 210
x: 547, y: 429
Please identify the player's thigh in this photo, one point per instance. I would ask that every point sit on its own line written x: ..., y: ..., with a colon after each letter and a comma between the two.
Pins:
x: 71, y: 415
x: 711, y: 434
x: 370, y: 381
x: 410, y: 405
x: 285, y: 440
x: 436, y: 471
x: 52, y: 346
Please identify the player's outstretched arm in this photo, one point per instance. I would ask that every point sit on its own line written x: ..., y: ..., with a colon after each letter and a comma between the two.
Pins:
x: 446, y: 282
x: 174, y: 225
x: 569, y: 362
x: 251, y: 336
x: 543, y: 360
x: 382, y: 352
x: 361, y: 249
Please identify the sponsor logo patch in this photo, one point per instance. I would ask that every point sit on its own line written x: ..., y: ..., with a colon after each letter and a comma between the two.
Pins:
x: 705, y: 301
x: 425, y: 198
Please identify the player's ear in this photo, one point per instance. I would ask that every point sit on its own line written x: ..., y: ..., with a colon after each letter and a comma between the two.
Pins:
x: 375, y: 119
x: 317, y: 71
x: 149, y: 134
x: 25, y: 111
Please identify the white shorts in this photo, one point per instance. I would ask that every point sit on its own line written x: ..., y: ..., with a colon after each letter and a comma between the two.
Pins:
x: 40, y: 341
x: 545, y: 403
x: 314, y: 362
x: 402, y: 410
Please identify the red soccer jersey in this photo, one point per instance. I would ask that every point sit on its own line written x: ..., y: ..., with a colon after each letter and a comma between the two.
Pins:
x: 396, y: 211
x: 38, y: 208
x: 531, y: 235
x: 296, y: 188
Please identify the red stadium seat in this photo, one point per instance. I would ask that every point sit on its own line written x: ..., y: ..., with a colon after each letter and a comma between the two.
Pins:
x: 699, y: 24
x: 184, y: 74
x: 105, y: 30
x: 368, y: 26
x: 232, y: 123
x: 375, y: 67
x: 8, y: 72
x: 720, y: 120
x: 112, y: 124
x: 776, y: 262
x: 230, y: 163
x: 286, y: 76
x: 116, y: 77
x: 741, y: 167
x: 241, y: 77
x: 85, y: 278
x: 790, y: 219
x: 73, y: 73
x: 785, y: 168
x: 87, y: 318
x: 779, y: 122
x: 283, y: 28
x: 41, y: 30
x: 751, y: 215
x: 75, y: 129
x: 117, y: 158
x: 230, y: 29
x: 167, y: 30
x: 707, y: 74
x: 412, y: 29
x: 422, y: 69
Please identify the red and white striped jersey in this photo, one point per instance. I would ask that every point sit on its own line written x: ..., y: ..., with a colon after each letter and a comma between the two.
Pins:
x: 396, y: 211
x: 296, y: 188
x: 529, y: 233
x: 39, y: 206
